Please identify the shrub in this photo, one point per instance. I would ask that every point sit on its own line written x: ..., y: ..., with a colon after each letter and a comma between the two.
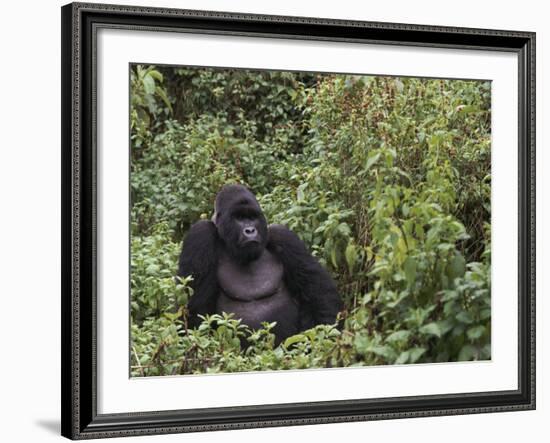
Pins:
x: 387, y: 180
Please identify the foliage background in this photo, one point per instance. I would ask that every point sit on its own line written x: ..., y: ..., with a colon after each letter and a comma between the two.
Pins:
x: 387, y: 180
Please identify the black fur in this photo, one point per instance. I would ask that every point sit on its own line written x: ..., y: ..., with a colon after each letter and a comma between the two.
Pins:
x: 239, y: 231
x: 199, y: 258
x: 305, y: 278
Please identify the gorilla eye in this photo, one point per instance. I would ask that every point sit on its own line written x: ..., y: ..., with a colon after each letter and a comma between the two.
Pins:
x: 245, y: 213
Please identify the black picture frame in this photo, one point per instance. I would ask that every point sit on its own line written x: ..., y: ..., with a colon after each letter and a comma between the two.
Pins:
x: 79, y: 175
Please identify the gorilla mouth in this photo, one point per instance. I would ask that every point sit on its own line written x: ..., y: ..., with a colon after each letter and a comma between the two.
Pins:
x: 248, y: 242
x: 250, y: 250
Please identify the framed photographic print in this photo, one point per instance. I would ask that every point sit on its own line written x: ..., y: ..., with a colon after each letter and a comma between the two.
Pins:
x: 273, y: 221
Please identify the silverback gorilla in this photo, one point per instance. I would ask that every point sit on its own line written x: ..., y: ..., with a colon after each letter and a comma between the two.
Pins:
x: 258, y: 272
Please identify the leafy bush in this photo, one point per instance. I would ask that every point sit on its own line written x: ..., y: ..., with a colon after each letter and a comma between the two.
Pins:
x: 387, y: 180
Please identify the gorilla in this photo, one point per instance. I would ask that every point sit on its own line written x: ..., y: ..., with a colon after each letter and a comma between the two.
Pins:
x: 260, y: 273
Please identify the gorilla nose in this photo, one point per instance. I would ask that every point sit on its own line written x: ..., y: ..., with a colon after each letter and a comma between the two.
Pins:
x: 250, y: 232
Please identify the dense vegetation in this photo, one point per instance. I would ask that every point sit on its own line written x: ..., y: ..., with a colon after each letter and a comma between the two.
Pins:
x: 387, y: 180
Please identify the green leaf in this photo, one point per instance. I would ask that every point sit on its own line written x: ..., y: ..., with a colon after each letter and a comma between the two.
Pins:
x: 160, y: 92
x: 294, y: 339
x: 398, y: 336
x: 149, y: 84
x: 467, y: 353
x: 415, y: 354
x: 153, y: 269
x: 155, y: 74
x: 383, y: 351
x: 333, y: 257
x: 372, y: 160
x: 486, y: 352
x: 475, y: 332
x: 351, y: 255
x: 410, y: 270
x: 300, y: 196
x: 467, y: 109
x: 361, y: 344
x: 485, y: 314
x: 431, y: 329
x: 457, y: 267
x: 403, y: 358
x: 464, y: 317
x: 344, y: 229
x: 399, y: 85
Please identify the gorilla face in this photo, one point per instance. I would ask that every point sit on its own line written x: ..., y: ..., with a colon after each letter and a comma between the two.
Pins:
x: 240, y: 222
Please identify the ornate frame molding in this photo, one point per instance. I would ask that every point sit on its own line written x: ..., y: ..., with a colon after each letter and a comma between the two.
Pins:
x: 79, y: 392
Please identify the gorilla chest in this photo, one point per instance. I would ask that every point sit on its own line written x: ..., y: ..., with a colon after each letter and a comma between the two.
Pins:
x: 255, y: 292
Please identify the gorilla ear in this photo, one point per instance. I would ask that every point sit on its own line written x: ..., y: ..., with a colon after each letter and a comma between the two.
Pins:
x: 215, y: 218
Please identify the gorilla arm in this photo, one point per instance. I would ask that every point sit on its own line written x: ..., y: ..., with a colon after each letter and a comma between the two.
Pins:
x: 305, y: 278
x: 198, y: 258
